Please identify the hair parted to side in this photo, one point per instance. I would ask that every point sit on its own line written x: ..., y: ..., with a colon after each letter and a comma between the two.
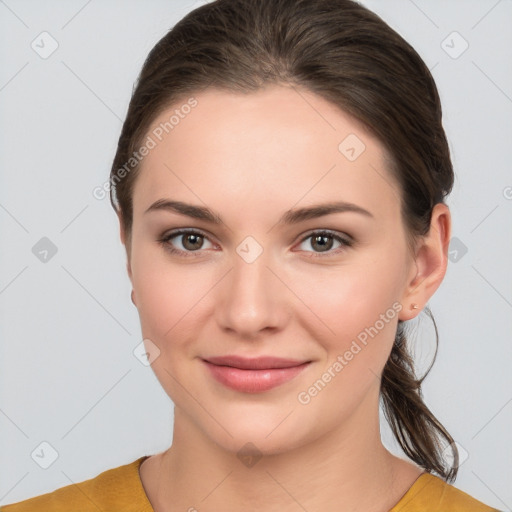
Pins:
x: 348, y: 55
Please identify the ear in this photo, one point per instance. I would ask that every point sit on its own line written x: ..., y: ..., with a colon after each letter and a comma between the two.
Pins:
x: 430, y: 263
x: 125, y: 240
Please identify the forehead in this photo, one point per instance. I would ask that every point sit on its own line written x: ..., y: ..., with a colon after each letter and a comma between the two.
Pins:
x: 279, y: 145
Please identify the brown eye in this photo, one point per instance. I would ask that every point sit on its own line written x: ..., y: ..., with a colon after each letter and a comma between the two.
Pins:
x: 323, y: 242
x: 184, y: 242
x: 192, y: 241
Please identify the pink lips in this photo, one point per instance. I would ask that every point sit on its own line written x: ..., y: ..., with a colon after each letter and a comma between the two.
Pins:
x: 253, y: 375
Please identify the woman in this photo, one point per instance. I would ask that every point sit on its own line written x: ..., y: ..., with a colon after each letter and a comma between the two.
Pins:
x: 280, y: 182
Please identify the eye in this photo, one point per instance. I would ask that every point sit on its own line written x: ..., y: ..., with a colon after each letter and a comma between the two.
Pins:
x: 323, y: 241
x: 189, y: 241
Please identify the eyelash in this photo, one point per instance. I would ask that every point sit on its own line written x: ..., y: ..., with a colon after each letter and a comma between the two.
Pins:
x: 165, y: 239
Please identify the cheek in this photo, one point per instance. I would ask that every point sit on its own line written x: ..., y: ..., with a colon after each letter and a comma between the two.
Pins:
x: 169, y: 297
x: 349, y: 298
x: 358, y: 307
x: 361, y: 312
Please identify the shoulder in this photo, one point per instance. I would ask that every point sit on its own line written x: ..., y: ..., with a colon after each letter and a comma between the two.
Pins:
x: 113, y: 490
x: 429, y: 493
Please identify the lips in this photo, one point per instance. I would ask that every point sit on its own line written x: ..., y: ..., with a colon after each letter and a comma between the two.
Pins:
x: 253, y: 375
x: 258, y: 363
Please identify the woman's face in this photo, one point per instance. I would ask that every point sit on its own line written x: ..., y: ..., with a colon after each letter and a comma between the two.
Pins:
x: 259, y: 278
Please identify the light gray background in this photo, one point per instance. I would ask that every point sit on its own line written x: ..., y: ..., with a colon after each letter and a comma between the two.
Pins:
x: 68, y: 328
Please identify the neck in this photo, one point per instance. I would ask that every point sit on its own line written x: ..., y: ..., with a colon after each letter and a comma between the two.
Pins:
x: 346, y: 469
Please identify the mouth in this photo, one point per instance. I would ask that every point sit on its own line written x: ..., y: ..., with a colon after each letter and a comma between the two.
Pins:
x: 253, y: 375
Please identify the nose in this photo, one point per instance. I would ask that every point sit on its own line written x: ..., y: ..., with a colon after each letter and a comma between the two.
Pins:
x: 252, y: 299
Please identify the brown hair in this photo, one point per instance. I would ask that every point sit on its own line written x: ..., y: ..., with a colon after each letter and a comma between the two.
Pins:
x: 348, y: 55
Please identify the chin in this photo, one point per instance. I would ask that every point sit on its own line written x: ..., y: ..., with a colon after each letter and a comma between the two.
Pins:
x: 265, y: 432
x: 252, y: 442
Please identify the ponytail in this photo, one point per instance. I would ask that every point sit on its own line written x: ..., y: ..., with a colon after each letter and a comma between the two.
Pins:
x: 419, y: 433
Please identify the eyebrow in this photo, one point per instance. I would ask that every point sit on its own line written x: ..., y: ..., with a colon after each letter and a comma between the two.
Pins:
x: 289, y: 217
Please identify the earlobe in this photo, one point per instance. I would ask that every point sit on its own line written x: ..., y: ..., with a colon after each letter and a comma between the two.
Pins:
x: 430, y: 263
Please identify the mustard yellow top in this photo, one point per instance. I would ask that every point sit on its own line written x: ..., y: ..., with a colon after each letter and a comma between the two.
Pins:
x: 120, y: 489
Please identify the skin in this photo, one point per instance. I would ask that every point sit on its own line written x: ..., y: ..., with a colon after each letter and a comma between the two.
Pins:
x: 250, y: 158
